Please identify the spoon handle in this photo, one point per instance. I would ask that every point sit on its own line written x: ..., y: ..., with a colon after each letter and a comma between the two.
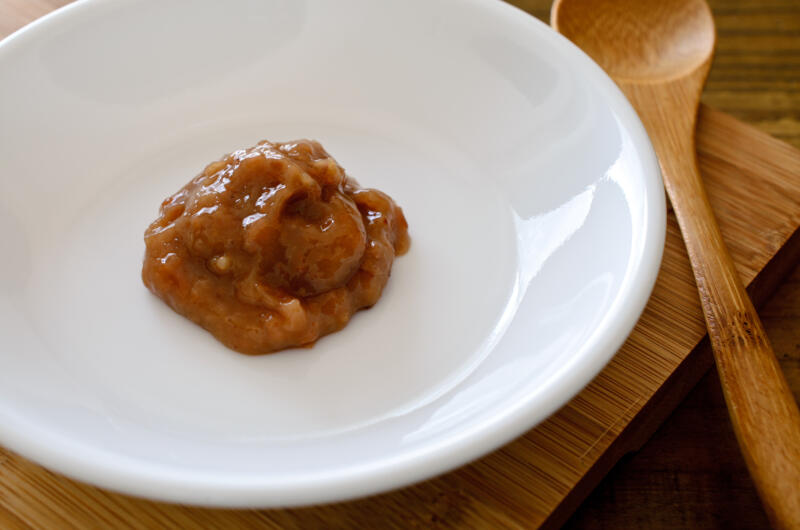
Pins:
x: 763, y: 411
x: 762, y: 408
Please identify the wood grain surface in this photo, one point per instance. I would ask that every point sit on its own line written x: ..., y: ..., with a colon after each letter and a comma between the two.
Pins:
x: 689, y: 473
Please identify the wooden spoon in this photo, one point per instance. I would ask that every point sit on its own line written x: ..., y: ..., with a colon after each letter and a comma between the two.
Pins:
x: 659, y: 53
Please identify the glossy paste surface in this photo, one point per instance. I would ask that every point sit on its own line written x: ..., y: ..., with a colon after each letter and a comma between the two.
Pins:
x: 273, y: 246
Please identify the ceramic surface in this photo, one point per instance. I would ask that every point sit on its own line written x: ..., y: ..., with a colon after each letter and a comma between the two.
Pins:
x: 535, y: 206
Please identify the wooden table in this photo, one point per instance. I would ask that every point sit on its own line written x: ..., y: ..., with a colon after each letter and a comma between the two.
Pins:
x: 690, y: 473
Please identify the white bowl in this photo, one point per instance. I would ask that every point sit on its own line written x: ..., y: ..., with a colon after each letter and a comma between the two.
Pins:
x: 535, y: 205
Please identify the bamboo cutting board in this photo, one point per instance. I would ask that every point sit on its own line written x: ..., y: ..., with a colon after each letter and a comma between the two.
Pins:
x: 754, y: 184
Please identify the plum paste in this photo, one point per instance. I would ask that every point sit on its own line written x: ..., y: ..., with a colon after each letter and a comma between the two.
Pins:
x: 272, y: 247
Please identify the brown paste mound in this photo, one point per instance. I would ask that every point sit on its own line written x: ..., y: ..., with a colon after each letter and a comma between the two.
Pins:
x: 273, y: 247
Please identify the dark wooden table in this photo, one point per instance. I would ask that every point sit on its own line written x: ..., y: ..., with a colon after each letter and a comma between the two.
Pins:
x: 690, y: 474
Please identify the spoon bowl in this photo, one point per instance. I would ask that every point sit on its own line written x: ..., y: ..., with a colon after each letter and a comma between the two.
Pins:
x: 640, y: 41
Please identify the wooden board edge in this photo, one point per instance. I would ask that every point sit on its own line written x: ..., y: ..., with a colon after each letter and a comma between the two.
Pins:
x: 673, y: 391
